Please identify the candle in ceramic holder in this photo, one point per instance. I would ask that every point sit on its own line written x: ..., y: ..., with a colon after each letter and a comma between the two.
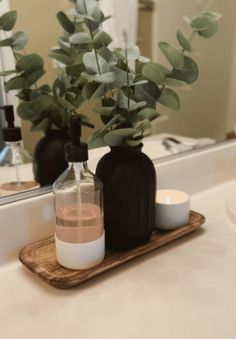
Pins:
x: 172, y: 209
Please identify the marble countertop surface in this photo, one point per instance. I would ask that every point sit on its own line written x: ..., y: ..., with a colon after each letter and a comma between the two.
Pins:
x: 185, y: 290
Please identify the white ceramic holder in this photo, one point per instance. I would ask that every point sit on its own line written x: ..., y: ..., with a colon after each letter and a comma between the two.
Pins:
x: 172, y: 209
x: 82, y: 255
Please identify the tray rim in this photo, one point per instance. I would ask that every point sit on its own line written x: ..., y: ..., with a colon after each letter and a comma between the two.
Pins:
x: 47, y: 276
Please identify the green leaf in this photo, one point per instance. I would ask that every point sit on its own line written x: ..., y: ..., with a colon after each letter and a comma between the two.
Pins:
x: 132, y: 53
x: 124, y: 102
x: 6, y: 73
x: 29, y: 64
x: 8, y: 20
x: 142, y: 125
x: 91, y: 63
x: 80, y: 38
x: 174, y: 57
x: 26, y: 111
x: 170, y: 99
x: 43, y: 103
x: 61, y: 56
x: 117, y: 137
x: 93, y: 90
x: 65, y: 104
x: 43, y: 125
x: 33, y: 77
x: 89, y: 8
x: 96, y: 139
x: 189, y: 73
x: 65, y: 22
x: 102, y: 39
x: 6, y: 42
x: 15, y: 83
x: 206, y: 25
x: 105, y: 78
x: 175, y: 82
x: 184, y: 43
x: 146, y: 113
x: 155, y: 73
x: 149, y: 92
x: 19, y: 40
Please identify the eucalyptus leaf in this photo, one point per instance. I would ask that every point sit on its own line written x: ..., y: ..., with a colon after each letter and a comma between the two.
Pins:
x: 93, y: 90
x: 189, y: 72
x: 155, y: 73
x: 174, y: 57
x: 33, y: 78
x: 15, y: 83
x: 175, y: 82
x: 205, y: 25
x: 142, y: 125
x: 29, y: 64
x: 43, y: 125
x: 124, y: 102
x: 149, y: 92
x: 19, y: 40
x: 170, y: 99
x: 146, y: 113
x: 65, y: 22
x: 61, y: 56
x: 97, y: 139
x: 8, y: 20
x: 80, y: 38
x: 65, y: 104
x: 105, y: 78
x: 26, y: 112
x: 95, y: 63
x: 132, y: 53
x: 6, y: 42
x: 115, y: 139
x: 102, y: 39
x: 6, y: 73
x: 184, y: 43
x: 90, y: 8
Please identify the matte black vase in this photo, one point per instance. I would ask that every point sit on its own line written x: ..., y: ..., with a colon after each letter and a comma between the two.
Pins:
x: 49, y: 156
x: 129, y: 183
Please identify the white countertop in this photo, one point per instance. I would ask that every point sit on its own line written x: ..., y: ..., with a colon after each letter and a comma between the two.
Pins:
x: 186, y: 290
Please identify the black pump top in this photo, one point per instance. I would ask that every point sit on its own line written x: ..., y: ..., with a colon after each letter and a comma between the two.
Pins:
x: 11, y: 133
x: 76, y: 151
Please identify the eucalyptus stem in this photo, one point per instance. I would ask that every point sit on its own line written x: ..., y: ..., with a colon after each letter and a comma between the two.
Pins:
x: 127, y: 66
x: 92, y: 37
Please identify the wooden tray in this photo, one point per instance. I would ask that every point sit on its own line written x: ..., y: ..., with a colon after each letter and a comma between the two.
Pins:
x: 40, y: 256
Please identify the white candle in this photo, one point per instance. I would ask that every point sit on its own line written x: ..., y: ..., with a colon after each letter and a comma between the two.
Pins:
x: 172, y: 209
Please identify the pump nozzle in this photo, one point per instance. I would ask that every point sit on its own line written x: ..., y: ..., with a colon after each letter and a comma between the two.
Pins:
x: 11, y: 133
x: 76, y: 151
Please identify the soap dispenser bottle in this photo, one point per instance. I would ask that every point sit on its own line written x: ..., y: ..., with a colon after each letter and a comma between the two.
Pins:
x: 13, y: 155
x: 78, y: 197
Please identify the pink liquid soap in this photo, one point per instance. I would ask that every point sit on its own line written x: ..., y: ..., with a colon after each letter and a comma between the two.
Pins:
x: 79, y: 224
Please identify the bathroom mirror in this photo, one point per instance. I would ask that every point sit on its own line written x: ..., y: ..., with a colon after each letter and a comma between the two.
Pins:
x: 208, y: 109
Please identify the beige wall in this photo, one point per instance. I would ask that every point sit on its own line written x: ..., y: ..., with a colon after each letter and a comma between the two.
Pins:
x: 205, y: 110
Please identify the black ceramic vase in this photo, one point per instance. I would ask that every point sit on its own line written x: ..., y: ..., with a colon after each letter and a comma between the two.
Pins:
x: 129, y: 183
x: 49, y: 157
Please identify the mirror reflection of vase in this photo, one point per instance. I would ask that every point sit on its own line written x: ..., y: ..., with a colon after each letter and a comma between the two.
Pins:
x: 49, y: 156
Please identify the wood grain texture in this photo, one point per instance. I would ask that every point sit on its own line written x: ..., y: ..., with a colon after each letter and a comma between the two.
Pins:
x: 40, y: 257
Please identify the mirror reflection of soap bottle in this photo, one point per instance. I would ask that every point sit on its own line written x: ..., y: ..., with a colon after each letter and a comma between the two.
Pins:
x: 14, y: 156
x: 78, y: 196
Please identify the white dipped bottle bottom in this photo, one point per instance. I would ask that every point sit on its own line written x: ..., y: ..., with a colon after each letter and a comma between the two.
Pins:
x: 80, y: 256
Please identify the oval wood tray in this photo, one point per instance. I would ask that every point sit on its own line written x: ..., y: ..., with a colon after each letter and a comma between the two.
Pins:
x: 40, y: 256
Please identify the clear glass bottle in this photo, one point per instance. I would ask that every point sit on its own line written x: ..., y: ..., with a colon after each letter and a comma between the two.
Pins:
x: 78, y: 196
